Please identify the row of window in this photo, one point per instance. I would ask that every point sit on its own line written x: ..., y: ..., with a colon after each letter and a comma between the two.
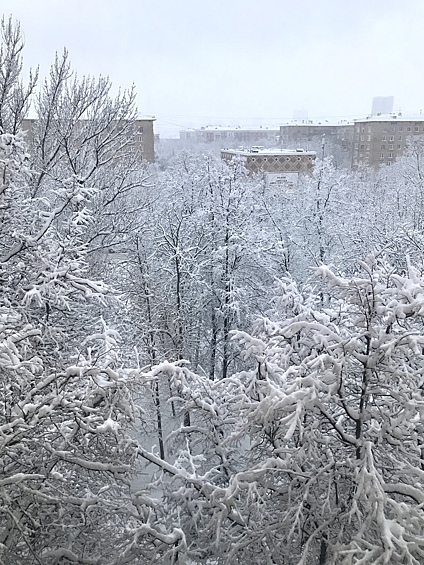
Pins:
x: 382, y: 156
x: 391, y: 138
x: 383, y: 146
x: 391, y: 129
x: 278, y: 158
x: 384, y: 138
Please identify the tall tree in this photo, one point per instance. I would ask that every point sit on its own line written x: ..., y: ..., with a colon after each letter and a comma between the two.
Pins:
x: 65, y: 457
x: 15, y: 97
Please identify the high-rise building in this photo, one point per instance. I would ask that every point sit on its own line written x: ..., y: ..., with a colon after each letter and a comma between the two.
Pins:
x: 382, y: 105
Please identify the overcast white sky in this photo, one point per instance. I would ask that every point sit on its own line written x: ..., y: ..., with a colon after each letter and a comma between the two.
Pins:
x: 229, y: 62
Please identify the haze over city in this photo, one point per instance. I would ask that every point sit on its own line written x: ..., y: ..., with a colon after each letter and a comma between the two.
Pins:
x: 238, y: 62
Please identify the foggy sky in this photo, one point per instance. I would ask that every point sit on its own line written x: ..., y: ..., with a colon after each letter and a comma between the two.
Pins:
x: 247, y: 62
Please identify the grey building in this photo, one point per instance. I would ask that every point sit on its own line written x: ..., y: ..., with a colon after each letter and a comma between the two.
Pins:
x: 210, y: 134
x: 310, y: 134
x: 145, y: 138
x: 380, y: 140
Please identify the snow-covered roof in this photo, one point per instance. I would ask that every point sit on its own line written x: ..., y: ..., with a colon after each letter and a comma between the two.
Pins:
x: 323, y: 122
x: 235, y: 128
x: 393, y: 118
x: 255, y: 150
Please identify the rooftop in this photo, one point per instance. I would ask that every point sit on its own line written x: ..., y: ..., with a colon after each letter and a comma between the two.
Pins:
x: 235, y: 128
x: 393, y: 117
x: 255, y: 150
x: 322, y: 122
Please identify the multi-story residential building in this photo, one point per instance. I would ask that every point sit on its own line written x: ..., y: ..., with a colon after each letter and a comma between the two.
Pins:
x: 210, y: 134
x: 279, y: 166
x: 337, y: 137
x: 143, y: 139
x: 380, y: 140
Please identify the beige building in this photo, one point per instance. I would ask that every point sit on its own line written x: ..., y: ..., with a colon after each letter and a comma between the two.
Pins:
x: 143, y: 139
x: 210, y: 134
x: 279, y: 166
x: 380, y: 140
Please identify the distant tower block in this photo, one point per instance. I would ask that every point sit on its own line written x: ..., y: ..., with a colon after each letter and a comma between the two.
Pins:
x: 300, y: 114
x: 382, y: 105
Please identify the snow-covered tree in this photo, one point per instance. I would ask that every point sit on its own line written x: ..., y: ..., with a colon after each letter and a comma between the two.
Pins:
x: 15, y: 97
x: 338, y: 410
x: 206, y: 261
x: 315, y: 454
x: 65, y: 456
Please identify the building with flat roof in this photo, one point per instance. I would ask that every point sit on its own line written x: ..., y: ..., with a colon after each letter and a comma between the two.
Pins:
x: 311, y: 134
x: 380, y: 140
x: 281, y: 167
x: 238, y: 134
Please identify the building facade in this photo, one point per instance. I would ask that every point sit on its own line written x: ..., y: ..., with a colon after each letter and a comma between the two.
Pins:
x: 280, y: 167
x: 380, y: 140
x: 321, y: 136
x: 145, y: 138
x: 211, y: 134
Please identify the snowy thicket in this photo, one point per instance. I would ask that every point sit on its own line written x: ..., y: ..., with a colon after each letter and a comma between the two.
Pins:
x: 315, y: 454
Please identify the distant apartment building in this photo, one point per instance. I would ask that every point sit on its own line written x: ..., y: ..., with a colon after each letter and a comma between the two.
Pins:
x: 210, y: 134
x: 281, y: 167
x: 143, y: 136
x: 380, y: 140
x: 310, y: 134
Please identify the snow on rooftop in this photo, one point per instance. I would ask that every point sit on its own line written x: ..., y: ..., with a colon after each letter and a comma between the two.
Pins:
x: 316, y: 122
x: 255, y: 150
x: 393, y: 117
x: 275, y: 129
x: 240, y: 128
